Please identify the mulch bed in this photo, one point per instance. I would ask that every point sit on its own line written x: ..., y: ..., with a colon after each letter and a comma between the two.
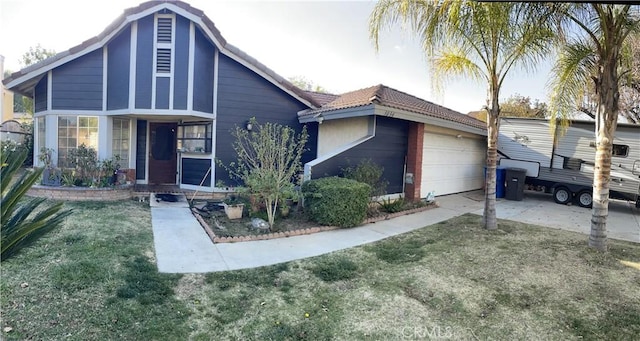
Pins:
x: 295, y: 225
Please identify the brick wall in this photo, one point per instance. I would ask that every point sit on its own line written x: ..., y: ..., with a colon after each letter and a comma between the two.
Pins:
x: 81, y: 194
x: 414, y: 160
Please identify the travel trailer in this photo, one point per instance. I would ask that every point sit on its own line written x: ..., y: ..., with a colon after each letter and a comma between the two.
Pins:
x: 561, y: 161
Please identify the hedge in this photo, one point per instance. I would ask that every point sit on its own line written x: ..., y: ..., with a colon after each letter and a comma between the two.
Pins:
x: 336, y: 201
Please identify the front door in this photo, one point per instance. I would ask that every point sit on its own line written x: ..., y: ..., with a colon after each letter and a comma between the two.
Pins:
x: 162, y: 153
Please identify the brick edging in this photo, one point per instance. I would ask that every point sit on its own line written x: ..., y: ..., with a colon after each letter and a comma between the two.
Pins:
x: 300, y: 232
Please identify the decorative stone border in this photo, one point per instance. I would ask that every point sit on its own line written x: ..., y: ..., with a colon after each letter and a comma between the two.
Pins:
x: 123, y: 192
x: 299, y: 232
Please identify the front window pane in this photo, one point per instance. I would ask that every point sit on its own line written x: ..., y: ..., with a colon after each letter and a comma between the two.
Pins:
x: 42, y: 133
x: 74, y: 131
x: 120, y: 142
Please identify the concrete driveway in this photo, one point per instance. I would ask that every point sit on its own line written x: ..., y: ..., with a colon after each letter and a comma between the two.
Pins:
x: 539, y: 208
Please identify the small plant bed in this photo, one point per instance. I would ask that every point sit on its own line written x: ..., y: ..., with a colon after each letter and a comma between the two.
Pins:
x: 221, y: 229
x: 388, y: 209
x: 228, y: 230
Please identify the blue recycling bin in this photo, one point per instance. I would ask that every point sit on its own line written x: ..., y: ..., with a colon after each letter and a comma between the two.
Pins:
x: 501, y: 175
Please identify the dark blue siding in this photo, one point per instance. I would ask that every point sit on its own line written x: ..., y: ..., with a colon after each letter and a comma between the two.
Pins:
x: 40, y: 102
x: 119, y: 53
x: 141, y: 149
x: 181, y: 67
x: 203, y: 75
x: 77, y: 85
x: 144, y: 63
x: 243, y: 94
x: 194, y: 170
x: 387, y: 149
x: 162, y: 92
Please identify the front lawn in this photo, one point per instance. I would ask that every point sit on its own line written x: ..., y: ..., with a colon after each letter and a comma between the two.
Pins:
x: 95, y: 279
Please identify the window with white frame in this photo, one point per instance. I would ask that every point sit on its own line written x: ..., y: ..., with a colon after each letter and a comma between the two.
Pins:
x: 42, y: 134
x: 120, y: 141
x: 74, y: 131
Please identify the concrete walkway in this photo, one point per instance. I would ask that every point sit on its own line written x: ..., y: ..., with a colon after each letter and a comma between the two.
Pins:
x: 182, y: 246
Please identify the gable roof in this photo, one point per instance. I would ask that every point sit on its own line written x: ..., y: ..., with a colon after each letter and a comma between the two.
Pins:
x: 392, y: 98
x: 26, y: 78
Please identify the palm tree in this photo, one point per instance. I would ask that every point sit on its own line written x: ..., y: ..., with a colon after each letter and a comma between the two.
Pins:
x: 595, y: 55
x: 22, y: 222
x: 483, y: 41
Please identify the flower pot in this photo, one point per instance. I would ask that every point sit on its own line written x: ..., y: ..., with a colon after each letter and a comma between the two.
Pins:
x: 233, y: 211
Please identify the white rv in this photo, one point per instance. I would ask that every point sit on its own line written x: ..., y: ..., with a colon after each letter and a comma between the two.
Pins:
x: 562, y: 162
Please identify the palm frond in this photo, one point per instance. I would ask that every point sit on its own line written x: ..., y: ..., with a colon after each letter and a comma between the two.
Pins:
x: 23, y: 221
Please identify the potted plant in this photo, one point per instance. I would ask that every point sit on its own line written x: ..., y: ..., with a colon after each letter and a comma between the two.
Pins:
x: 233, y: 207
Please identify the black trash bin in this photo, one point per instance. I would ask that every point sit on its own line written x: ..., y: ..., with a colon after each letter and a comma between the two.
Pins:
x: 515, y: 178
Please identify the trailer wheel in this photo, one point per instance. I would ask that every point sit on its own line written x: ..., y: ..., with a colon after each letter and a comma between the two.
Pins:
x: 585, y: 198
x: 561, y: 195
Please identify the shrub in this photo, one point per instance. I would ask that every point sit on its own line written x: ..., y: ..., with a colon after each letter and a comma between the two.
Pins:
x: 392, y: 206
x: 370, y: 173
x: 336, y: 201
x: 268, y: 161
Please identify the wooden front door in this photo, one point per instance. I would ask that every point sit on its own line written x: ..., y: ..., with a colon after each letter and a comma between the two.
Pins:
x: 162, y: 153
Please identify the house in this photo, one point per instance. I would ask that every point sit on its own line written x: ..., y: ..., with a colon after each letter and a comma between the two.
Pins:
x: 162, y: 89
x: 423, y: 147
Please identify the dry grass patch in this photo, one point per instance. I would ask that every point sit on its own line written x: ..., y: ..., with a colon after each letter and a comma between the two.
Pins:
x: 94, y: 279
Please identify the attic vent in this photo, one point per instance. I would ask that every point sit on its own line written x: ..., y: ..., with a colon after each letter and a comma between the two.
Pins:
x: 163, y: 60
x: 164, y: 30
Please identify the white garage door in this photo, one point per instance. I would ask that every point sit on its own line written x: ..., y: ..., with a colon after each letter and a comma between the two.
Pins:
x: 451, y: 164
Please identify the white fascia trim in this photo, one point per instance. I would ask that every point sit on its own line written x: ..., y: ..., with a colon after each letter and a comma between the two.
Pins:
x: 365, y: 110
x: 215, y: 83
x: 105, y: 56
x: 49, y: 91
x: 337, y: 151
x: 133, y: 55
x: 84, y: 51
x: 414, y: 117
x: 150, y: 112
x: 66, y: 112
x: 190, y: 72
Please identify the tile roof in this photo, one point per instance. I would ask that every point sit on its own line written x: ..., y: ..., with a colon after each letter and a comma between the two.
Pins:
x: 389, y: 97
x: 322, y: 97
x: 284, y: 83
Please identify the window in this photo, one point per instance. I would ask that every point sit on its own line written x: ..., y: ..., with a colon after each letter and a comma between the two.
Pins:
x: 120, y: 141
x: 194, y: 137
x: 164, y: 40
x: 42, y: 134
x: 74, y: 131
x: 620, y: 150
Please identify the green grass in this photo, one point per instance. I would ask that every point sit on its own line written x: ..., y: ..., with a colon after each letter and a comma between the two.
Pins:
x: 95, y: 278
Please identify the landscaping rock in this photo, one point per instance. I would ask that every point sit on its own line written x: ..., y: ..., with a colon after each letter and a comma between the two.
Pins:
x: 259, y: 224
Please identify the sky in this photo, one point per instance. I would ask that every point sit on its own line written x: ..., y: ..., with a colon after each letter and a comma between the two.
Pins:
x: 326, y: 42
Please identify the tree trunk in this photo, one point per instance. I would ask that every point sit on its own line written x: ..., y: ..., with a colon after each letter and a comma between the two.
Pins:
x: 493, y: 113
x: 606, y: 119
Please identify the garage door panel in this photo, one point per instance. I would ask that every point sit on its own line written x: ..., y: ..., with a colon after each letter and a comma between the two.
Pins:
x: 452, y: 165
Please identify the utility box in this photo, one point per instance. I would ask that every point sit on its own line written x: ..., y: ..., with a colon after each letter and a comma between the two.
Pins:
x: 515, y: 178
